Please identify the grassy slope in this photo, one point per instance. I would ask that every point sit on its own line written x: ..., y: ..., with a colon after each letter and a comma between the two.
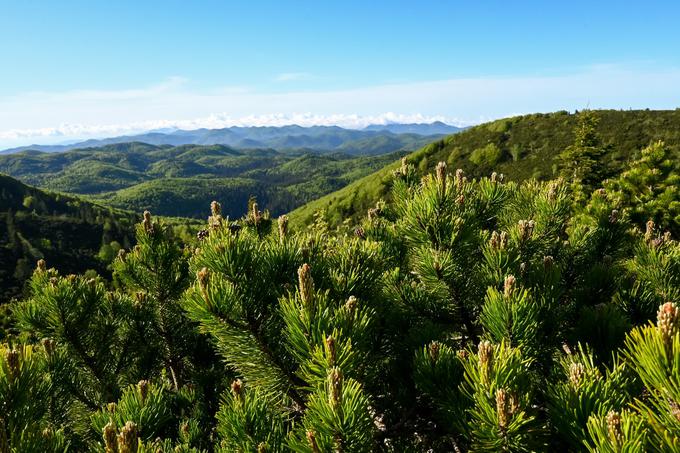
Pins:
x: 536, y: 140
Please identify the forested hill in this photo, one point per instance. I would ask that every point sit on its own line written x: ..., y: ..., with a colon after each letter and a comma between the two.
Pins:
x: 520, y: 147
x: 69, y: 233
x: 181, y: 181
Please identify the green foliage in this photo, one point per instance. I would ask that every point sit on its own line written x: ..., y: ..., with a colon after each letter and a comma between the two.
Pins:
x: 438, y: 374
x: 108, y: 252
x: 246, y: 421
x: 540, y: 137
x: 25, y: 423
x: 90, y: 323
x: 98, y: 343
x: 617, y: 432
x: 462, y: 315
x: 337, y: 418
x: 65, y: 231
x: 29, y: 202
x: 648, y: 189
x: 581, y: 390
x: 181, y: 180
x: 515, y: 152
x: 157, y: 272
x: 497, y: 383
x: 487, y: 156
x: 656, y: 265
x: 581, y: 162
x: 513, y: 317
x: 654, y: 352
x: 238, y: 302
x: 149, y: 406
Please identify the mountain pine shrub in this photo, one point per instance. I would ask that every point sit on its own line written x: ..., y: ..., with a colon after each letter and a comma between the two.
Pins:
x: 464, y: 315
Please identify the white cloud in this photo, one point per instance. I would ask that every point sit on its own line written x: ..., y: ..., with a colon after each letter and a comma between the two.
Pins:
x: 216, y: 121
x: 44, y: 117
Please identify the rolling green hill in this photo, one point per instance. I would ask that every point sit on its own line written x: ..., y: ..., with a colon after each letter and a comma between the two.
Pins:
x: 191, y: 197
x: 183, y: 180
x: 521, y: 147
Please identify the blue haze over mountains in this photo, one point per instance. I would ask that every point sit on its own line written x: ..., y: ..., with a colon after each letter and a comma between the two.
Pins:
x: 373, y: 139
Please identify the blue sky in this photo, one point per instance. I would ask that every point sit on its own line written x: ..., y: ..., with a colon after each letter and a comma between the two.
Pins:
x: 73, y: 68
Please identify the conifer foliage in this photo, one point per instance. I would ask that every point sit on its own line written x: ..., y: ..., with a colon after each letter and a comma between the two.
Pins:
x: 649, y: 188
x: 465, y: 315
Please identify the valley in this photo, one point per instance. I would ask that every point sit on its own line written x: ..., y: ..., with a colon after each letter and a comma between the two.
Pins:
x: 181, y: 180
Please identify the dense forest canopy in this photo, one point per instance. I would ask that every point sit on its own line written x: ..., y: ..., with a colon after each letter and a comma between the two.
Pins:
x: 65, y: 230
x: 179, y: 181
x: 74, y: 234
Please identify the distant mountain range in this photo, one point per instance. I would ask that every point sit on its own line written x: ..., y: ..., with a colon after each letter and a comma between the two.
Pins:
x: 436, y: 128
x: 387, y: 138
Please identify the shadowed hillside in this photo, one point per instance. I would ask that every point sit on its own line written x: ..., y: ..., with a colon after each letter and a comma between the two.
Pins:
x: 70, y: 233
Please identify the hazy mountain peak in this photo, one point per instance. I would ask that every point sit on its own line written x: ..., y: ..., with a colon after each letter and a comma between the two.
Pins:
x: 435, y: 128
x: 320, y: 138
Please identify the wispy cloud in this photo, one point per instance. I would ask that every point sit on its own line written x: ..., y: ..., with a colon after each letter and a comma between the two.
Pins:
x: 293, y: 76
x: 171, y: 84
x: 43, y: 117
